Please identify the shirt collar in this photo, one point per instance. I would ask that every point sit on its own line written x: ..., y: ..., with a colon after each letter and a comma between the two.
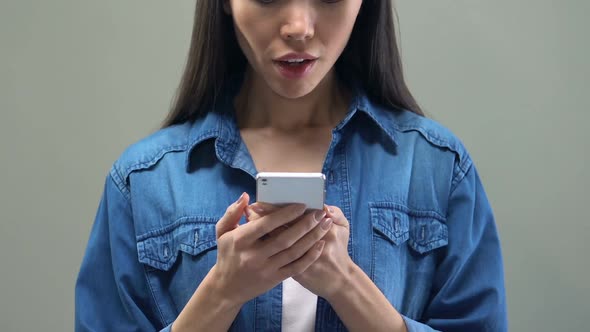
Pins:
x: 380, y: 116
x: 219, y: 122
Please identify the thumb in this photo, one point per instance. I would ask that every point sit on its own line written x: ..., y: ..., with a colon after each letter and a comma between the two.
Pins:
x: 232, y: 216
x: 337, y: 215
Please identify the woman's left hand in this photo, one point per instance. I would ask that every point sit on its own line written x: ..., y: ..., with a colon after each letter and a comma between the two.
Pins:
x: 327, y: 274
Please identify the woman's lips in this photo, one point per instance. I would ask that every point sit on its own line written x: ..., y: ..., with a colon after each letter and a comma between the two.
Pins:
x: 295, y: 69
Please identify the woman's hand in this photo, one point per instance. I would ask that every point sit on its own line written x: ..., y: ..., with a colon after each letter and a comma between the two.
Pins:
x: 250, y: 262
x: 327, y: 274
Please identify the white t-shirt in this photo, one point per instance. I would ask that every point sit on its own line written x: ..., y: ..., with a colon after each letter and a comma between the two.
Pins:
x: 299, y: 307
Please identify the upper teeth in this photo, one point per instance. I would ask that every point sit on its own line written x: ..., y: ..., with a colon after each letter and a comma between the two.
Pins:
x: 296, y: 60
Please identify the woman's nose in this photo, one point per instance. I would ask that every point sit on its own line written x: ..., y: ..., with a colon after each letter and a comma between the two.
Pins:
x: 299, y: 23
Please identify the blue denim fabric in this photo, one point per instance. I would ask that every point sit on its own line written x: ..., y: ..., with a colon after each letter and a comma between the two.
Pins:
x: 421, y: 226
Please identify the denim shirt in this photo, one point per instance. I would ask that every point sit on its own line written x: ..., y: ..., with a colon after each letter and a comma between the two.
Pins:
x: 421, y: 226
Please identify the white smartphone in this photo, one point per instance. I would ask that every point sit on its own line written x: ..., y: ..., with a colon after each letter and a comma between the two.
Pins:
x: 280, y: 188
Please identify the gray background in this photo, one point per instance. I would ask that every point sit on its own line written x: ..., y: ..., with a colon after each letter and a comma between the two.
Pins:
x: 81, y: 80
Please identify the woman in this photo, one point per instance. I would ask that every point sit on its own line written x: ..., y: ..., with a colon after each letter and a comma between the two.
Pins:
x: 407, y: 242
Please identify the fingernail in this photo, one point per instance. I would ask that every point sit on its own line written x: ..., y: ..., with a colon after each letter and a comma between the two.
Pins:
x: 326, y: 224
x: 299, y: 207
x: 319, y: 215
x: 240, y: 199
x: 258, y: 209
x: 330, y: 209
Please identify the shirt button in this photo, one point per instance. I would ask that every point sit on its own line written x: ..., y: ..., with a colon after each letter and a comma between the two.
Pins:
x: 165, y: 251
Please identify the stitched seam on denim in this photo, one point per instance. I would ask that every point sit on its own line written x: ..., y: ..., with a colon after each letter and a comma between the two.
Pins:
x: 276, y: 314
x: 346, y: 195
x: 193, y: 251
x: 153, y: 160
x: 255, y: 312
x: 426, y: 249
x: 389, y: 133
x: 153, y: 294
x: 204, y: 136
x: 223, y: 154
x: 428, y: 135
x: 407, y: 210
x: 160, y: 152
x: 198, y: 140
x: 373, y: 251
x: 443, y: 236
x: 411, y: 213
x: 464, y: 169
x: 178, y: 222
x: 438, y: 141
x: 397, y: 240
x: 117, y: 179
x: 427, y: 243
x: 373, y: 240
x: 233, y: 145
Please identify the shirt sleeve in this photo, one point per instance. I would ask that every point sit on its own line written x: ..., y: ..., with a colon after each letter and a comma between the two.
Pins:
x: 112, y: 293
x: 468, y: 288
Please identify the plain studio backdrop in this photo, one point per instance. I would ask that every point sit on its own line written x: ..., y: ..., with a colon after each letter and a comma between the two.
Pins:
x: 80, y: 80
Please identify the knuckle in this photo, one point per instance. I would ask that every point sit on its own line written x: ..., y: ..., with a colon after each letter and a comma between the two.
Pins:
x: 284, y: 240
x: 276, y: 246
x: 265, y: 227
x: 239, y: 240
x: 248, y: 263
x: 290, y: 242
x: 292, y: 255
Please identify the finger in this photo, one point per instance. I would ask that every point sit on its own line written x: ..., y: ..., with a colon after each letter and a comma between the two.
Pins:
x: 296, y: 232
x: 281, y: 229
x: 278, y: 231
x: 267, y: 206
x: 337, y: 215
x: 259, y: 210
x: 255, y: 229
x: 300, y: 265
x: 303, y: 245
x: 232, y: 216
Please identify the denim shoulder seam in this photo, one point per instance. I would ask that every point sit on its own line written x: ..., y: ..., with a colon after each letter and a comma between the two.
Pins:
x: 449, y: 141
x: 460, y: 171
x: 441, y: 142
x: 115, y: 175
x: 155, y: 157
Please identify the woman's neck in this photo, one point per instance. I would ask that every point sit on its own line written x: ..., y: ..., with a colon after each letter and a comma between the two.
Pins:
x: 258, y: 106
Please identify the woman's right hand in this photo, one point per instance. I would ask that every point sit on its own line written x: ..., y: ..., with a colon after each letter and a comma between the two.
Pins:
x: 249, y: 263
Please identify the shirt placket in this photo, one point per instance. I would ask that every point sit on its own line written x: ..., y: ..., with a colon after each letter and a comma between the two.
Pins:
x: 337, y: 194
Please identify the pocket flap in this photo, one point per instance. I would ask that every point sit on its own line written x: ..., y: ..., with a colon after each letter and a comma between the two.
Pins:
x: 427, y: 234
x: 391, y: 223
x: 159, y: 249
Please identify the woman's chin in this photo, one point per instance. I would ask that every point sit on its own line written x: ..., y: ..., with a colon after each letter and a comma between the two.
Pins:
x: 294, y: 90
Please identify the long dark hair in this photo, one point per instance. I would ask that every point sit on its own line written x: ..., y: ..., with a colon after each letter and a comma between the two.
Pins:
x: 371, y: 57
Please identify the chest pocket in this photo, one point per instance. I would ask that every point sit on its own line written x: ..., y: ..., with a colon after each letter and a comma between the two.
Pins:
x: 176, y: 259
x: 404, y: 253
x: 160, y: 249
x: 423, y: 230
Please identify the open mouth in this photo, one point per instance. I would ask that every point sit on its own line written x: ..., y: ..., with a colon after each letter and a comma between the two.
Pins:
x: 296, y: 68
x: 295, y: 63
